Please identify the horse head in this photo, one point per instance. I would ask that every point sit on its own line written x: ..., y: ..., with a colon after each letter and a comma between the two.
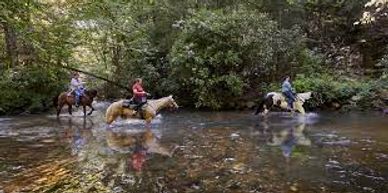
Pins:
x: 171, y: 104
x: 265, y: 104
x: 303, y: 97
x: 91, y: 93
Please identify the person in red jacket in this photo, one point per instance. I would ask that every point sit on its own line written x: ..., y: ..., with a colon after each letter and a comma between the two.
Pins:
x: 139, y: 95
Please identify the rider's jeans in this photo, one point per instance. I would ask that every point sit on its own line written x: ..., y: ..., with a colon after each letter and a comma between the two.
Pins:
x: 78, y: 94
x: 290, y: 98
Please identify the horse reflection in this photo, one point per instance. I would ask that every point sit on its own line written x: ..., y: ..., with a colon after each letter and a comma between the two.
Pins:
x: 139, y: 144
x: 77, y: 134
x: 288, y: 138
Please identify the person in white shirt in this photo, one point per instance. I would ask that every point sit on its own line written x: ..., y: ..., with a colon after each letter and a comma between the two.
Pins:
x: 76, y: 86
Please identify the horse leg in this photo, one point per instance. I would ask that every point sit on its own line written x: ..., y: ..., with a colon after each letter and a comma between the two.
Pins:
x: 91, y: 110
x: 70, y: 109
x: 299, y: 107
x: 259, y: 108
x: 84, y: 110
x: 110, y: 119
x: 59, y: 108
x: 265, y: 110
x: 148, y: 123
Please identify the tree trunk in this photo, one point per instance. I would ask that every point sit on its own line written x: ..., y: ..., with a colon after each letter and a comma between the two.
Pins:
x: 11, y: 44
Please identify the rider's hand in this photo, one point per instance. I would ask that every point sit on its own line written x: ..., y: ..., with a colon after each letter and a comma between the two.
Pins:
x: 148, y: 94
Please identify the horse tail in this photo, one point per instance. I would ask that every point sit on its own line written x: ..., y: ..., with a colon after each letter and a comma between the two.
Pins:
x: 267, y: 101
x: 55, y: 100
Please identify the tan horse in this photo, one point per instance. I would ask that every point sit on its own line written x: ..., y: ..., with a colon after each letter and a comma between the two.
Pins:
x: 149, y: 110
x: 278, y: 99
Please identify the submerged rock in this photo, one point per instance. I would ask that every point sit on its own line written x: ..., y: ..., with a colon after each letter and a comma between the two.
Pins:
x: 234, y: 136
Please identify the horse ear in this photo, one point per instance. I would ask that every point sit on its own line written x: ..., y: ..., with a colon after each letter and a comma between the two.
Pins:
x: 170, y: 96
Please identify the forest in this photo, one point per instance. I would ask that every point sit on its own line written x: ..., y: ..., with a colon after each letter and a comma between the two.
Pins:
x: 209, y: 54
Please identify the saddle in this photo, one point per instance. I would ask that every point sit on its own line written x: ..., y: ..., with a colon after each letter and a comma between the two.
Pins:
x: 130, y: 103
x: 73, y: 93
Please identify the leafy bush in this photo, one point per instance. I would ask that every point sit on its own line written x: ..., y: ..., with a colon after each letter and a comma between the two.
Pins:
x: 218, y: 55
x: 29, y: 88
x: 330, y: 88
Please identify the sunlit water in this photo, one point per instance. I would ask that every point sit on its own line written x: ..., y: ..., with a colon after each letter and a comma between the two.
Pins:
x: 196, y: 152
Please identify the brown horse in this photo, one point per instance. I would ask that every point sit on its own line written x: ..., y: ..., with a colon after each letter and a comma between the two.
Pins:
x: 149, y: 110
x: 85, y: 100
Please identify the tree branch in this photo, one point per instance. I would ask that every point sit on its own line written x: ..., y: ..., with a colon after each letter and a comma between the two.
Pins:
x: 96, y: 76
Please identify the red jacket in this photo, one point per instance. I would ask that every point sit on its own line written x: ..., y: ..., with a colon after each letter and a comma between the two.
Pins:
x: 138, y: 90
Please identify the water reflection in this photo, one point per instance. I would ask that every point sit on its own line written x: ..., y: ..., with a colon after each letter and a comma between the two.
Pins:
x: 138, y: 144
x: 226, y: 152
x: 288, y: 138
x: 77, y: 134
x: 287, y: 134
x: 122, y: 149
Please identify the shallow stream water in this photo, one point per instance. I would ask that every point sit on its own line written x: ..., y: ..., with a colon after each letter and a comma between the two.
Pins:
x: 196, y: 152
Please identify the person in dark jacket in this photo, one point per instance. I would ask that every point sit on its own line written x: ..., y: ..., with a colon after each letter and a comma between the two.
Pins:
x: 287, y: 90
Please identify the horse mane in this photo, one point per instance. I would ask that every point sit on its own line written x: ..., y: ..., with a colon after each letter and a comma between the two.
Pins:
x: 168, y: 98
x: 304, y: 96
x: 91, y: 93
x: 161, y: 102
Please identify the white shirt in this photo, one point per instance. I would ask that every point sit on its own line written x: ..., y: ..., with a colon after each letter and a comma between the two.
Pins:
x: 75, y: 84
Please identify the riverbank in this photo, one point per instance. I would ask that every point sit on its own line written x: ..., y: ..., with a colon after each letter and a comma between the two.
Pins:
x: 331, y: 93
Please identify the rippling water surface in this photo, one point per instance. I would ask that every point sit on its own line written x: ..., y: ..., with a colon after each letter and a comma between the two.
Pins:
x: 196, y: 152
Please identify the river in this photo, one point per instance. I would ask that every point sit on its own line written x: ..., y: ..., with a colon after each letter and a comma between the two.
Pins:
x: 188, y: 151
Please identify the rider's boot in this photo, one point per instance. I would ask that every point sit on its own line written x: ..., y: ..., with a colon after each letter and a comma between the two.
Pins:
x: 77, y: 103
x: 77, y: 100
x: 290, y: 107
x: 135, y: 110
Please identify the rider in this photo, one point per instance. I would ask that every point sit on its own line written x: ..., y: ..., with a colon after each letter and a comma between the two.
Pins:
x: 139, y: 95
x: 76, y: 86
x: 288, y: 92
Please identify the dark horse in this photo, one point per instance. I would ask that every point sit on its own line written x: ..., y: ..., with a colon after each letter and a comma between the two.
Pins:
x: 85, y: 100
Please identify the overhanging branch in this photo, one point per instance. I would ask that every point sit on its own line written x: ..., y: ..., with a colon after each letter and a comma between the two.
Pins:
x: 95, y: 76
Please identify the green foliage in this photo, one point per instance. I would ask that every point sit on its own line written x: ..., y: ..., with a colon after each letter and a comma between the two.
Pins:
x: 311, y: 63
x: 330, y: 88
x: 217, y: 53
x: 30, y: 88
x: 207, y: 53
x: 383, y: 63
